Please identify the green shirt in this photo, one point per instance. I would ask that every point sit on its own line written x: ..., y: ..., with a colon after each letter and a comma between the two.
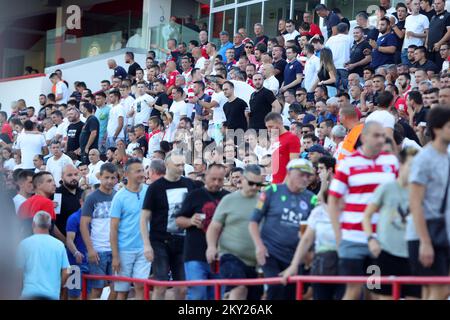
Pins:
x: 234, y: 212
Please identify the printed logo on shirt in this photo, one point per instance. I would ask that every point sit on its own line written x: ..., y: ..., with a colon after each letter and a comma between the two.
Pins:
x: 303, y: 205
x: 261, y: 200
x: 290, y: 217
x: 72, y: 133
x: 387, y: 168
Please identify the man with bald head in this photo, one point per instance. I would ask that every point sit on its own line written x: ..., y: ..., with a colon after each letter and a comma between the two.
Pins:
x: 357, y: 177
x: 270, y: 81
x: 119, y: 72
x: 70, y: 196
x: 94, y: 167
x: 171, y: 73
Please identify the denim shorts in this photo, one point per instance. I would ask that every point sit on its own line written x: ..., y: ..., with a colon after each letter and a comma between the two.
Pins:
x: 74, y: 284
x: 168, y: 259
x: 133, y: 264
x: 199, y: 270
x: 104, y: 268
x: 354, y: 258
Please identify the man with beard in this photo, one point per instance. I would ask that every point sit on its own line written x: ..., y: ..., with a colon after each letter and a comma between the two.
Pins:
x: 404, y: 84
x: 70, y: 196
x: 195, y: 215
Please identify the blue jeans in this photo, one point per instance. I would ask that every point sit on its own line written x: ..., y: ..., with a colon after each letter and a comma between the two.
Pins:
x: 199, y: 270
x: 103, y: 268
x: 342, y: 79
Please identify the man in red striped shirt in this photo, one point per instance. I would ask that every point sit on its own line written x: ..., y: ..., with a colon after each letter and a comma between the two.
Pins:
x: 357, y: 177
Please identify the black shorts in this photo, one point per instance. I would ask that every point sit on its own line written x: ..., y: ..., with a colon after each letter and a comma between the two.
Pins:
x: 231, y: 267
x: 354, y: 267
x: 168, y: 259
x: 391, y: 265
x: 440, y: 266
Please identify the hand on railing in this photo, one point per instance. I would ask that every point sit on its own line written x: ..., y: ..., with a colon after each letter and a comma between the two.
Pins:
x: 288, y: 272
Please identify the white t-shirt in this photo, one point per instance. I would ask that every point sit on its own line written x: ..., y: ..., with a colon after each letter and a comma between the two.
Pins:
x: 178, y: 108
x: 142, y: 109
x: 30, y: 144
x: 218, y: 114
x: 61, y: 88
x: 127, y: 103
x: 200, y: 64
x: 9, y: 164
x: 340, y: 45
x: 154, y: 143
x: 113, y: 120
x: 386, y: 119
x: 408, y: 143
x: 272, y: 84
x: 416, y: 24
x: 55, y: 167
x: 290, y: 36
x: 18, y: 201
x: 93, y: 170
x: 312, y: 67
x: 62, y: 128
x: 131, y: 146
x: 243, y: 90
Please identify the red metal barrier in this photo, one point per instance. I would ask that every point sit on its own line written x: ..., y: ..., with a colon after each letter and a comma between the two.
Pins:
x: 396, y: 282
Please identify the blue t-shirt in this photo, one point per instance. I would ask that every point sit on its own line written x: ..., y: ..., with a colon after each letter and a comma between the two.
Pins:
x: 73, y: 225
x: 127, y: 206
x: 378, y: 58
x: 102, y: 114
x: 282, y: 211
x: 120, y: 72
x: 290, y: 72
x: 223, y: 49
x: 41, y: 257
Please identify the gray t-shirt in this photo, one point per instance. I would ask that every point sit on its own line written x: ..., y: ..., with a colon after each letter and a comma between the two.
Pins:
x: 282, y: 211
x: 431, y: 169
x: 234, y: 213
x: 393, y: 201
x: 97, y: 206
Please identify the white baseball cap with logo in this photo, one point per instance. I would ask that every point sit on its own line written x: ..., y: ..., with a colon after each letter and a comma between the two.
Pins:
x: 301, y: 164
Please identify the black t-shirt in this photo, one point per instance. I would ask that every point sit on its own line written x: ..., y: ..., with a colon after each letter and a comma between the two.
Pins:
x: 235, y: 114
x: 427, y: 66
x: 409, y: 131
x: 421, y: 116
x: 143, y: 144
x: 260, y: 105
x: 92, y: 124
x: 70, y: 203
x: 401, y: 26
x: 261, y: 39
x: 132, y: 69
x: 73, y: 135
x: 428, y: 14
x: 331, y: 21
x: 357, y: 54
x: 164, y: 199
x: 161, y: 99
x: 199, y: 201
x: 280, y: 65
x: 438, y: 28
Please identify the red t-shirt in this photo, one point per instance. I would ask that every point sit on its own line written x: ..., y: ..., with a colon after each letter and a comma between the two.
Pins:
x: 171, y: 79
x: 6, y: 129
x: 400, y: 105
x: 34, y: 204
x: 287, y: 143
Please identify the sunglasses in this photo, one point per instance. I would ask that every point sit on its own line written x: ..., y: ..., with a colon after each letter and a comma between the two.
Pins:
x: 248, y: 47
x: 305, y: 132
x: 300, y: 94
x: 253, y: 183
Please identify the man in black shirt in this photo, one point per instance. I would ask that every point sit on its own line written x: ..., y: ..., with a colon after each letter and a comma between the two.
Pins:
x: 279, y: 64
x: 438, y: 32
x: 162, y: 102
x: 331, y: 19
x: 162, y: 202
x: 74, y: 131
x: 89, y: 133
x: 421, y: 62
x: 129, y: 59
x: 399, y: 30
x: 234, y: 109
x: 70, y: 196
x: 427, y: 9
x: 360, y: 53
x: 139, y: 131
x: 195, y: 216
x: 259, y: 35
x: 262, y: 101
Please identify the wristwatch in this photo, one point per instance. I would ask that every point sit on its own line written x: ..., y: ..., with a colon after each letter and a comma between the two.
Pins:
x: 372, y: 237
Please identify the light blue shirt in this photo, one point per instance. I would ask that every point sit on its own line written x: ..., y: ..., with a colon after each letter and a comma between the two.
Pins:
x: 41, y: 257
x: 127, y: 206
x: 102, y: 115
x: 223, y: 50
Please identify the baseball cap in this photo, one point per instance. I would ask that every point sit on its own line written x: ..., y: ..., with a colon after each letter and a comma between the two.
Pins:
x: 317, y: 148
x: 301, y: 164
x: 308, y: 118
x: 224, y: 33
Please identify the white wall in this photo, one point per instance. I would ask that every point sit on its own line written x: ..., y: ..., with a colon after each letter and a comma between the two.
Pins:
x: 27, y: 89
x: 93, y: 70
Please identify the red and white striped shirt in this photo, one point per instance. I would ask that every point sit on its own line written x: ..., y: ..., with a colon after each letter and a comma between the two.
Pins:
x: 357, y: 177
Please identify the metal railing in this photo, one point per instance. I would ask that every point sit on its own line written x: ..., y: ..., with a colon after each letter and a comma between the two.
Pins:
x: 299, y: 281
